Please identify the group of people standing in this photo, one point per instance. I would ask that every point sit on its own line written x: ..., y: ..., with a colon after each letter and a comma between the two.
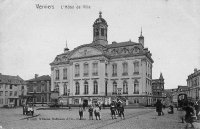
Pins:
x: 117, y: 108
x: 93, y: 109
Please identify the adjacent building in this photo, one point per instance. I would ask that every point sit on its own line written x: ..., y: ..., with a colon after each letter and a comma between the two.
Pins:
x: 40, y: 89
x: 193, y: 83
x: 103, y: 71
x: 11, y: 88
x: 158, y: 88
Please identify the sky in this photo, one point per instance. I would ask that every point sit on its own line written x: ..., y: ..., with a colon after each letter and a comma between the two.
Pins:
x: 30, y: 38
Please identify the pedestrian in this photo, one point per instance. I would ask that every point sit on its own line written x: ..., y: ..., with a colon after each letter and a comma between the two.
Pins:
x: 112, y: 109
x: 121, y: 111
x: 80, y: 112
x: 171, y: 109
x: 159, y: 107
x: 196, y: 106
x: 190, y: 116
x: 97, y: 112
x: 90, y: 110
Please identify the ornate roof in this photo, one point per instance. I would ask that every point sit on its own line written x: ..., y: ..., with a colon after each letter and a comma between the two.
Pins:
x: 114, y: 50
x: 100, y: 20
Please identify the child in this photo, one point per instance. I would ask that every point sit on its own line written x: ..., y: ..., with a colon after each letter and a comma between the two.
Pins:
x: 90, y: 110
x: 81, y: 112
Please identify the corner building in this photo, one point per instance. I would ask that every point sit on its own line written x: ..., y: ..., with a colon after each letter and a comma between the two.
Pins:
x: 100, y: 71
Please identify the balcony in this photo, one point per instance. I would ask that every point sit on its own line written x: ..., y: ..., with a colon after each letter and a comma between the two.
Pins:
x: 125, y: 92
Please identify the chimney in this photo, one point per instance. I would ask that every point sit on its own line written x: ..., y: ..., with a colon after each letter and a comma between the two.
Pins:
x: 36, y: 75
x: 195, y: 70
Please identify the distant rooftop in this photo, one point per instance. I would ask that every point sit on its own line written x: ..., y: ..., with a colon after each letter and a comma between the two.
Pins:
x: 8, y: 79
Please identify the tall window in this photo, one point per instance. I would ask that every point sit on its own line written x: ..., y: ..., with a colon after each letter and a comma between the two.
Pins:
x: 95, y: 69
x: 6, y: 93
x: 97, y: 32
x: 114, y: 69
x: 65, y: 88
x: 95, y: 87
x: 38, y: 98
x: 77, y: 88
x: 15, y: 93
x: 57, y: 74
x: 10, y: 86
x: 39, y: 88
x: 65, y: 73
x: 125, y: 87
x: 11, y: 93
x: 136, y: 67
x: 30, y: 88
x: 86, y: 69
x: 114, y: 87
x: 1, y: 93
x: 106, y: 69
x: 85, y: 87
x: 125, y: 68
x: 102, y: 31
x: 77, y: 70
x: 136, y: 87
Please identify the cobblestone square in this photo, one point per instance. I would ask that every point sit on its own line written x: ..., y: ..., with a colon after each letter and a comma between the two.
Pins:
x: 68, y: 119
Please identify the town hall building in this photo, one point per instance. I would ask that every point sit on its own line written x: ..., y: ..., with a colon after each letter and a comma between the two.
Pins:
x: 101, y: 71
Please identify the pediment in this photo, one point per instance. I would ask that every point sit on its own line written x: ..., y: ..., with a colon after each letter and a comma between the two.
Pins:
x: 85, y: 52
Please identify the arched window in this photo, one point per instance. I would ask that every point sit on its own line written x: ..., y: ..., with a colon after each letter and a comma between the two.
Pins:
x: 114, y: 87
x: 125, y: 87
x: 95, y: 87
x: 125, y: 69
x: 85, y: 87
x: 136, y: 87
x: 77, y: 88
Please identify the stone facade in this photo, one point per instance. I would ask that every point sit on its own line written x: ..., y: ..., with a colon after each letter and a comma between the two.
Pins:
x: 99, y: 71
x: 193, y: 83
x: 40, y: 89
x: 11, y: 88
